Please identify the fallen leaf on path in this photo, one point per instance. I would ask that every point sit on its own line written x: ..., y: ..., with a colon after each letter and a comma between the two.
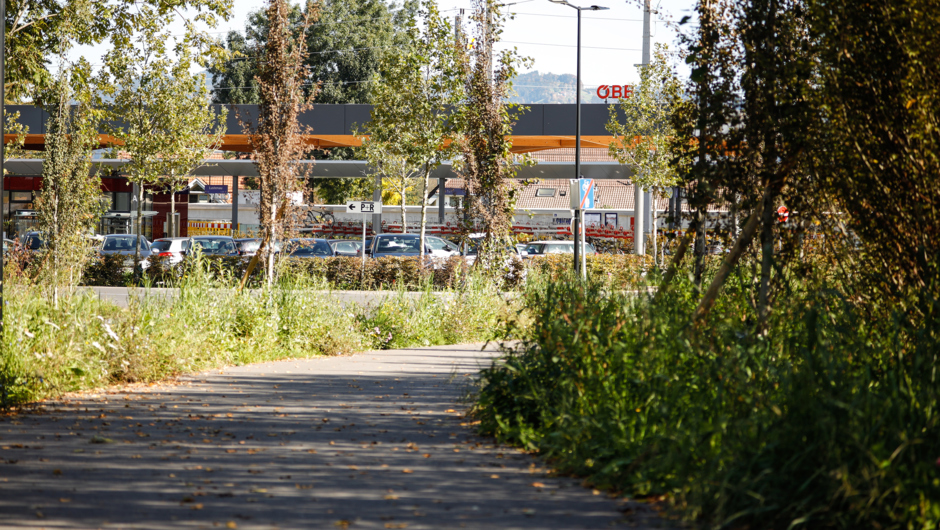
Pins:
x: 65, y: 499
x: 231, y: 524
x: 406, y: 470
x: 427, y: 455
x: 196, y: 506
x: 494, y: 476
x: 231, y: 451
x: 396, y: 525
x: 342, y: 523
x: 100, y: 440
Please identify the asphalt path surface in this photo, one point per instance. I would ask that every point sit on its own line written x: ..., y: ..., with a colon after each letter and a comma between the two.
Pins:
x: 121, y: 296
x: 374, y: 440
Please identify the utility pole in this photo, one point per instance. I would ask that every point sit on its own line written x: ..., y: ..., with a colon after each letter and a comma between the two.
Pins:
x: 641, y: 199
x: 3, y: 60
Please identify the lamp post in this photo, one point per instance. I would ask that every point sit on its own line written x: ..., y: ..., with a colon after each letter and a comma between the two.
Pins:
x: 579, y: 260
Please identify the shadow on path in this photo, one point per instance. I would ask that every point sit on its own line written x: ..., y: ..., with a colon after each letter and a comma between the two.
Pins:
x: 375, y: 440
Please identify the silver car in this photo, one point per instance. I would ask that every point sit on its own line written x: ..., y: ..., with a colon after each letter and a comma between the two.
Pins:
x: 123, y: 245
x: 174, y: 249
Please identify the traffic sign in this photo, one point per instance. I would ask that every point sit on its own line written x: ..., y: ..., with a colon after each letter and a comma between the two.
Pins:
x: 363, y: 207
x: 783, y: 214
x: 582, y: 194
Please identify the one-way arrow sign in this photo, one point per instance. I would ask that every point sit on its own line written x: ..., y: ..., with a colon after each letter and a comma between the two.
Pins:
x: 364, y: 207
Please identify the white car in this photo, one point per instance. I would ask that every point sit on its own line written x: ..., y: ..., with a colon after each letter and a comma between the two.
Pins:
x: 174, y: 249
x: 470, y: 246
x: 541, y: 248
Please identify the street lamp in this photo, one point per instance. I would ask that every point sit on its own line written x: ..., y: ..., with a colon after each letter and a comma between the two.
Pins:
x: 578, y: 224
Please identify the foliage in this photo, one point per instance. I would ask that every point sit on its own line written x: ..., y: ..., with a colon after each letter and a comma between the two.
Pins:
x: 644, y: 140
x: 88, y: 343
x: 37, y: 30
x: 485, y: 123
x: 277, y: 141
x: 69, y: 204
x: 827, y: 421
x: 411, y: 128
x: 159, y: 111
x: 880, y: 138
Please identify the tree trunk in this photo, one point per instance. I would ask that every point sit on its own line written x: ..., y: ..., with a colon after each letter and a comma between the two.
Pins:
x: 404, y: 216
x: 729, y: 262
x: 767, y: 255
x: 653, y: 225
x: 273, y: 241
x: 676, y: 260
x: 424, y: 205
x: 701, y: 218
x: 140, y: 217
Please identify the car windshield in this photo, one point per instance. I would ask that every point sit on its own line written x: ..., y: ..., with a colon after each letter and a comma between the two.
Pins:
x: 559, y: 249
x: 249, y: 246
x: 216, y: 246
x: 160, y: 246
x: 33, y: 242
x: 398, y: 245
x: 310, y: 247
x: 346, y: 246
x: 120, y: 243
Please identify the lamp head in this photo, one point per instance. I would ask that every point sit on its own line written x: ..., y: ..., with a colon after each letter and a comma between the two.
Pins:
x: 596, y: 8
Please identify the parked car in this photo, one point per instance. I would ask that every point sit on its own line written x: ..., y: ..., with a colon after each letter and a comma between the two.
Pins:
x: 309, y: 248
x: 410, y: 245
x: 541, y: 248
x: 32, y: 241
x: 8, y: 245
x: 124, y: 245
x: 346, y: 247
x: 172, y: 248
x: 215, y: 245
x: 247, y: 246
x: 470, y: 249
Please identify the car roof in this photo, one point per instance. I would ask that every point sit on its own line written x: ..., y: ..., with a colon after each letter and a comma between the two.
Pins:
x: 171, y: 239
x: 213, y: 237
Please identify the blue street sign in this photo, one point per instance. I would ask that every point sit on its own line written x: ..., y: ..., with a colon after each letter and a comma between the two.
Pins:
x: 216, y: 188
x: 582, y: 194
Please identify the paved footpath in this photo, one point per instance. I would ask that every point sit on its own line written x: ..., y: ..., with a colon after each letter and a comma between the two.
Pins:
x: 375, y: 440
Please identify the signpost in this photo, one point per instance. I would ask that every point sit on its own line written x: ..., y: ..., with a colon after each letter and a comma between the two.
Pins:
x: 581, y: 193
x: 366, y: 208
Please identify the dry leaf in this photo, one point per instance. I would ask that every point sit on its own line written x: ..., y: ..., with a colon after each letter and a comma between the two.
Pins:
x: 538, y: 485
x: 65, y: 499
x: 494, y: 476
x: 406, y: 470
x: 231, y: 524
x: 391, y: 497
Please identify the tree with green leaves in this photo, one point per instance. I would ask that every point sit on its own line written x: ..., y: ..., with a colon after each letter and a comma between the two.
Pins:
x: 155, y: 98
x: 643, y: 141
x: 37, y: 30
x: 345, y: 50
x: 484, y: 121
x: 69, y: 205
x: 411, y: 122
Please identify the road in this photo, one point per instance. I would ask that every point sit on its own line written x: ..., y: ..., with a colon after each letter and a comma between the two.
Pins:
x: 374, y: 440
x: 121, y: 295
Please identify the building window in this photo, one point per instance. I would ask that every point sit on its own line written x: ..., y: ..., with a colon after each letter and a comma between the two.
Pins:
x: 545, y: 192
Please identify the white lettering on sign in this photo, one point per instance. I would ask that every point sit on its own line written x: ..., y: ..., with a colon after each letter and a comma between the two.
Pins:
x: 363, y: 207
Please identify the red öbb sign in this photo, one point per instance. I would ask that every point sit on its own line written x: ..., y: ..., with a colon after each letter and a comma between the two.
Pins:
x: 615, y: 91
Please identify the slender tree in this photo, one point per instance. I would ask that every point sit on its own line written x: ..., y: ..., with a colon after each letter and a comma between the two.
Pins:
x: 644, y: 139
x: 485, y: 121
x: 277, y: 140
x: 69, y: 205
x: 411, y: 124
x: 154, y: 98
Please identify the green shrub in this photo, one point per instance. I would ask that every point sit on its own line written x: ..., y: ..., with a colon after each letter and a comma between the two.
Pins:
x: 829, y: 419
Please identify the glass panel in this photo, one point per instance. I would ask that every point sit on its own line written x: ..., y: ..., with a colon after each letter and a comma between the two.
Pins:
x: 22, y: 196
x: 122, y: 201
x: 545, y: 192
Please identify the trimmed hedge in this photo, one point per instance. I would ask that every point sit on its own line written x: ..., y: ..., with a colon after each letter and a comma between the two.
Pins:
x: 345, y: 273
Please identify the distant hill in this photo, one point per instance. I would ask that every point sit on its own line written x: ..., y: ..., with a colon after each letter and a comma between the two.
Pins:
x: 536, y: 87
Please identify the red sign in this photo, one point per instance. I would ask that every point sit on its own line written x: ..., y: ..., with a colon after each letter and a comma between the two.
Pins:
x: 783, y: 214
x: 615, y: 91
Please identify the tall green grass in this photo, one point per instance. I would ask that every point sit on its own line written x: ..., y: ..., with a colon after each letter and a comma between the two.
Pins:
x: 829, y: 419
x: 87, y: 343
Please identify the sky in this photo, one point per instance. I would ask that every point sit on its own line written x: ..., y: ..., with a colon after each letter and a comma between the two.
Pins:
x: 610, y: 46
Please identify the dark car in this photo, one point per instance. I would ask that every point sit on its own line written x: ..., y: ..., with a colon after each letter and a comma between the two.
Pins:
x: 124, y: 245
x: 32, y: 241
x: 215, y: 245
x: 309, y: 248
x: 346, y: 247
x: 247, y: 246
